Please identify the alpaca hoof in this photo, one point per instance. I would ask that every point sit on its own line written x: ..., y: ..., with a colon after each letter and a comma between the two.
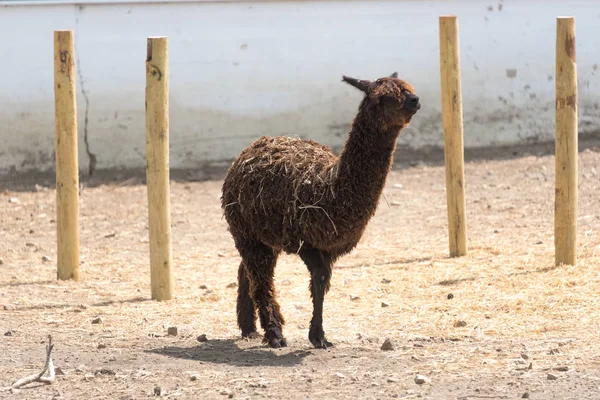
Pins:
x: 275, y: 339
x: 251, y: 335
x: 317, y: 338
x: 277, y: 343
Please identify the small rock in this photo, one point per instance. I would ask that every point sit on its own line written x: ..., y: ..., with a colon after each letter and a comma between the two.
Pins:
x: 496, y: 231
x: 194, y: 378
x: 29, y: 244
x: 97, y: 320
x: 524, y: 356
x: 553, y: 352
x: 158, y: 391
x: 421, y: 379
x: 450, y: 296
x: 172, y: 331
x: 226, y: 393
x: 13, y: 200
x: 8, y: 333
x: 552, y: 377
x: 101, y: 346
x: 202, y: 338
x: 538, y: 242
x: 31, y: 231
x: 59, y: 371
x: 460, y: 324
x: 392, y: 380
x: 563, y: 368
x: 354, y: 298
x: 1, y: 262
x: 46, y: 259
x: 105, y: 371
x: 384, y: 304
x: 397, y: 186
x: 387, y: 345
x: 203, y: 287
x: 384, y: 280
x: 525, y: 395
x: 340, y: 375
x: 9, y: 307
x: 231, y: 285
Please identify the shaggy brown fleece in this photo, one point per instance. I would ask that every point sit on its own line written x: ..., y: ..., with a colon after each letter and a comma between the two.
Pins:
x: 295, y: 195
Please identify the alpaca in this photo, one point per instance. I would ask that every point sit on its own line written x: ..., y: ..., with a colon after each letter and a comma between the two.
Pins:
x: 295, y: 195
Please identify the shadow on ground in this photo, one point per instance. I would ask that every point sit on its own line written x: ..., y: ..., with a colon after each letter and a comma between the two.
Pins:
x: 228, y: 352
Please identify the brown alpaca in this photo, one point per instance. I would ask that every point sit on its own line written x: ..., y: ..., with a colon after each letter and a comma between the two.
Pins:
x: 296, y: 196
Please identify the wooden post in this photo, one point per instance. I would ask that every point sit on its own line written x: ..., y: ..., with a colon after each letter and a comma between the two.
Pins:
x: 157, y: 168
x: 565, y: 210
x: 67, y: 168
x: 452, y: 118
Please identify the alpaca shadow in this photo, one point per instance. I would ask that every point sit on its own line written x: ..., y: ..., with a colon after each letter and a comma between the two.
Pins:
x: 228, y: 352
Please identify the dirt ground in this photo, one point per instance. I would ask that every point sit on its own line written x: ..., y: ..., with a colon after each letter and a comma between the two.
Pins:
x: 500, y: 323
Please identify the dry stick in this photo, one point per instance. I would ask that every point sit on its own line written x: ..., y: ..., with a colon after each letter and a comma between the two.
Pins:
x: 67, y: 168
x: 48, y: 365
x: 157, y: 168
x: 565, y: 212
x: 452, y: 117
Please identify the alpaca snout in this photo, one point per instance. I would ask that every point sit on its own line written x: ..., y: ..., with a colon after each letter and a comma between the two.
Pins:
x: 412, y: 103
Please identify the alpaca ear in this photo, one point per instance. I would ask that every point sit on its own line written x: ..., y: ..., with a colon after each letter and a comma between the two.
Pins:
x: 394, y: 75
x: 360, y: 84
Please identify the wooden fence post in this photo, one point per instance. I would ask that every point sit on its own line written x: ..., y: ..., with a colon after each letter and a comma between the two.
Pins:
x: 67, y: 168
x: 452, y: 118
x: 157, y: 168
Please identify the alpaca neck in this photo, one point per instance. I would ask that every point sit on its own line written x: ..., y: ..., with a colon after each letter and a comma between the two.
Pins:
x: 363, y: 167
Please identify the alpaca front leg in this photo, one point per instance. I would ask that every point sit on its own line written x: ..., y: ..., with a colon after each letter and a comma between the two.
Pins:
x: 246, y: 313
x: 319, y: 265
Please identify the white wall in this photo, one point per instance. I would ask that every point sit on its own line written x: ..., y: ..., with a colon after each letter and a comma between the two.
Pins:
x: 239, y: 70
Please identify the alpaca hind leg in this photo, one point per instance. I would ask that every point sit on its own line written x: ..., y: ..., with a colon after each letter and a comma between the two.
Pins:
x: 246, y: 311
x: 319, y: 266
x: 260, y: 261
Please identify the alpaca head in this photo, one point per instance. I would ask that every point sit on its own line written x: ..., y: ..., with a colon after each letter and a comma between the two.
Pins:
x: 394, y: 99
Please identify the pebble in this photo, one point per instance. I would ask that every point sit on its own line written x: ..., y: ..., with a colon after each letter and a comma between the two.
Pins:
x: 563, y: 368
x: 450, y: 296
x: 231, y: 285
x: 354, y: 298
x: 387, y: 345
x: 46, y: 259
x: 421, y: 379
x: 460, y: 324
x: 524, y: 356
x: 194, y: 378
x: 101, y: 346
x: 384, y: 304
x: 552, y: 377
x: 525, y: 395
x: 8, y: 307
x: 340, y: 375
x: 384, y: 280
x: 392, y: 380
x: 158, y: 391
x: 13, y: 200
x: 203, y: 287
x: 97, y: 320
x: 8, y: 333
x: 202, y: 338
x: 397, y: 186
x: 172, y: 331
x: 105, y: 371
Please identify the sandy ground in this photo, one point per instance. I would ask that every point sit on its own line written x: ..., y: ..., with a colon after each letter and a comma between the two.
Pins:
x: 500, y: 323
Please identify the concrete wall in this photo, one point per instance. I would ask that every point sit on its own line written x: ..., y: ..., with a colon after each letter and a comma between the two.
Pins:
x: 239, y: 70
